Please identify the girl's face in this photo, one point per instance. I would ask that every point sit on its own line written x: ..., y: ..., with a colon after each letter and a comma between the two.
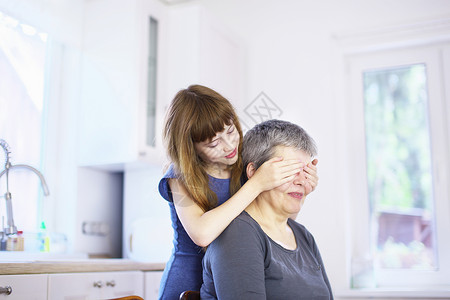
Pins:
x: 222, y: 150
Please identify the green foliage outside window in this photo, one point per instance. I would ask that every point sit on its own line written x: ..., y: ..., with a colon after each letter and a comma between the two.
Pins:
x: 397, y: 138
x: 399, y: 166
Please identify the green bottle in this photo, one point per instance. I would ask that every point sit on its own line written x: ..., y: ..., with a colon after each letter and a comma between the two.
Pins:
x: 45, y: 239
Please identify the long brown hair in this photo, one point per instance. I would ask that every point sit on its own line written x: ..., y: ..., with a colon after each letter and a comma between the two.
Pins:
x: 197, y: 114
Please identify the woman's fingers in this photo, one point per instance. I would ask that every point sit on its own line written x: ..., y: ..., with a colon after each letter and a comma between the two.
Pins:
x: 289, y: 167
x: 308, y: 187
x: 278, y: 171
x: 311, y: 174
x: 274, y: 159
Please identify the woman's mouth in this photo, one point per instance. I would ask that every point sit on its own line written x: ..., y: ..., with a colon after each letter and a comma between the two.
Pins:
x: 232, y: 154
x: 296, y: 195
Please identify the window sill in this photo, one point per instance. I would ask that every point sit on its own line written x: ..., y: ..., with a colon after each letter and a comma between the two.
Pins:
x: 442, y: 292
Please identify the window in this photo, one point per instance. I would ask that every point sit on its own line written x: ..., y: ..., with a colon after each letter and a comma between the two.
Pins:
x: 399, y: 174
x: 22, y: 109
x: 398, y: 125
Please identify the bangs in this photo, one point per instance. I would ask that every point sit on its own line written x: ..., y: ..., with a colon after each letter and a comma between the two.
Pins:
x: 209, y: 120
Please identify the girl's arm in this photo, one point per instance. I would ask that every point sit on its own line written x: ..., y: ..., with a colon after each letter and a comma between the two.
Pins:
x: 204, y: 227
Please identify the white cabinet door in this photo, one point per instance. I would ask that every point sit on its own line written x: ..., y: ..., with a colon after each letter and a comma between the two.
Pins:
x: 95, y: 285
x: 33, y: 287
x: 151, y: 284
x: 117, y: 82
x: 212, y: 55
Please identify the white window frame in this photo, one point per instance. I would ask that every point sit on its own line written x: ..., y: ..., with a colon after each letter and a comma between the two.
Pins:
x: 427, y: 43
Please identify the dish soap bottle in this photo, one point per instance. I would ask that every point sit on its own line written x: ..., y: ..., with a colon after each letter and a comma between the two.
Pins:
x: 44, y: 239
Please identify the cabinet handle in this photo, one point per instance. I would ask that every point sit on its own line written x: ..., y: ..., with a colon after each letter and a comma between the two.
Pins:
x: 111, y: 283
x: 98, y: 284
x: 7, y: 290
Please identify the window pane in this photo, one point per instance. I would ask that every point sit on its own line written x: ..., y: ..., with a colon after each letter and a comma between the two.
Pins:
x: 399, y: 167
x: 22, y: 62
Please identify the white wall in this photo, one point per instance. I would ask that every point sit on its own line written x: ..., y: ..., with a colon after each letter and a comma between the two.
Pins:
x: 291, y: 57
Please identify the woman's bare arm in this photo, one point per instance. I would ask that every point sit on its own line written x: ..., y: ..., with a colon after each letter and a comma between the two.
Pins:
x: 204, y: 227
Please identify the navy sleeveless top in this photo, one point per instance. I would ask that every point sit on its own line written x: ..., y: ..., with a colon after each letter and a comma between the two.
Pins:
x: 183, y: 271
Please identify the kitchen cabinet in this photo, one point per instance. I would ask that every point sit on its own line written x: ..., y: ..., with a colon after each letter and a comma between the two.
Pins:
x: 211, y: 55
x: 123, y: 61
x: 135, y: 58
x: 151, y: 283
x: 33, y: 287
x: 95, y: 285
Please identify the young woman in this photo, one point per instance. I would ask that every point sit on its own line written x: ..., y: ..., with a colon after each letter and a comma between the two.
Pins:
x: 202, y: 185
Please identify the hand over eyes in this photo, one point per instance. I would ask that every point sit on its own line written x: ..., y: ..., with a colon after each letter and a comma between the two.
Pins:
x: 312, y: 179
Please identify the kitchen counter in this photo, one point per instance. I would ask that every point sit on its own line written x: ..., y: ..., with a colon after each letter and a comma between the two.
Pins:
x: 76, y: 266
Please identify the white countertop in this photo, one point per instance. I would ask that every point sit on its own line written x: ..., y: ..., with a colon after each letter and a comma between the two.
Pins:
x: 76, y: 265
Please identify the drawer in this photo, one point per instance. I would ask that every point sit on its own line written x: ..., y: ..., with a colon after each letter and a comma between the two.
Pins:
x: 33, y: 287
x: 95, y: 285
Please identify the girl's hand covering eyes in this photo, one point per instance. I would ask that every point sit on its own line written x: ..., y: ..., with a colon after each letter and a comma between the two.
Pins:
x: 275, y: 172
x: 312, y: 179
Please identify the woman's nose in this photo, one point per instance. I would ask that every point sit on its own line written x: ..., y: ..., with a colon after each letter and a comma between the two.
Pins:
x: 300, y: 178
x: 227, y: 144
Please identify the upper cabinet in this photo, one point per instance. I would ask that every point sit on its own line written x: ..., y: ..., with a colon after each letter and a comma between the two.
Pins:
x: 122, y: 92
x: 136, y: 56
x: 202, y: 50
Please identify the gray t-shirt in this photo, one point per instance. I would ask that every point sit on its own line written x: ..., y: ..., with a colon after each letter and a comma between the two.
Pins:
x: 244, y: 263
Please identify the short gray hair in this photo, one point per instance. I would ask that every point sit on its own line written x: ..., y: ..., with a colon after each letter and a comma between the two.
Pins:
x: 260, y: 141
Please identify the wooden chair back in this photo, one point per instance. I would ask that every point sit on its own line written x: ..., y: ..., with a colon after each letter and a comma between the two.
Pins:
x: 190, y: 295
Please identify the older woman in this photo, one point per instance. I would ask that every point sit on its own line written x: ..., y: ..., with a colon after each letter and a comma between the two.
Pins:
x: 263, y: 254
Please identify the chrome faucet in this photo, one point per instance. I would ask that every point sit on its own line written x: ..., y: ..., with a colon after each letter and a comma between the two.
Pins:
x: 10, y: 227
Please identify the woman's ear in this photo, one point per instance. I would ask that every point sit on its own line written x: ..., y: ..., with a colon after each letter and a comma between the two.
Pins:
x: 250, y: 170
